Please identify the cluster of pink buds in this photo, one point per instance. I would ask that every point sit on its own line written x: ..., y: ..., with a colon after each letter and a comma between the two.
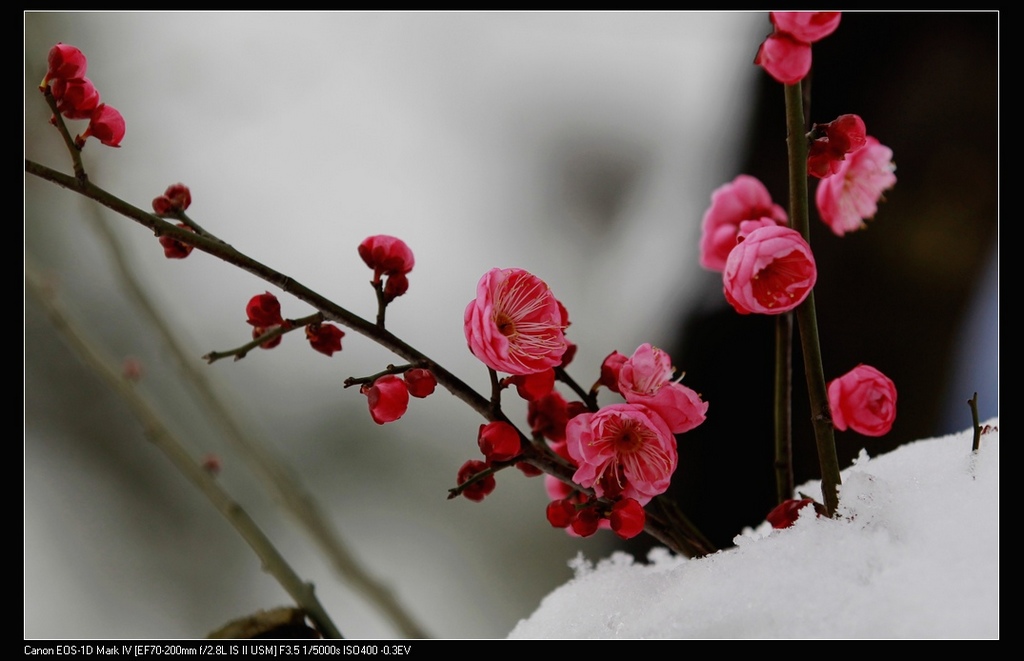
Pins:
x: 263, y: 313
x: 786, y: 53
x: 391, y: 261
x: 77, y: 98
x: 175, y: 200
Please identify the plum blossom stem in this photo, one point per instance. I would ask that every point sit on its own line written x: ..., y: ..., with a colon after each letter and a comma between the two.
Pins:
x: 288, y: 326
x: 973, y: 403
x: 821, y: 415
x: 783, y: 407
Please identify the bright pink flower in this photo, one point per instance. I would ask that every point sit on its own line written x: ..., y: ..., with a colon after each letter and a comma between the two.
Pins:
x: 388, y: 398
x: 647, y: 378
x: 263, y: 310
x: 850, y: 196
x: 785, y: 513
x: 176, y: 198
x: 627, y: 518
x: 833, y: 141
x: 325, y: 338
x: 64, y: 62
x: 106, y: 125
x: 386, y: 255
x: 515, y: 324
x: 76, y: 98
x: 622, y: 449
x: 784, y: 57
x: 174, y: 249
x: 480, y: 488
x: 770, y: 271
x: 499, y: 441
x: 534, y: 386
x: 806, y: 26
x: 421, y: 382
x: 863, y: 400
x: 744, y: 198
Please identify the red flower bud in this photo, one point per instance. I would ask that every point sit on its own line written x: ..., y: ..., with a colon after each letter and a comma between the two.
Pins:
x: 396, y: 285
x: 499, y: 441
x: 76, y: 98
x: 386, y: 255
x: 534, y: 386
x: 264, y: 310
x: 421, y: 382
x: 560, y: 513
x: 479, y: 489
x: 106, y: 125
x: 388, y: 398
x: 627, y: 518
x: 785, y: 513
x: 174, y: 249
x: 176, y: 198
x: 586, y: 522
x: 325, y: 338
x: 258, y: 332
x: 64, y: 61
x: 610, y: 370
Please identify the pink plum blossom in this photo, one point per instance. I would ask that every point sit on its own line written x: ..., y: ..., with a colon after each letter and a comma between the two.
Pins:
x: 647, y: 378
x: 850, y: 196
x: 744, y: 198
x: 623, y: 449
x: 515, y: 324
x: 863, y: 400
x: 770, y: 271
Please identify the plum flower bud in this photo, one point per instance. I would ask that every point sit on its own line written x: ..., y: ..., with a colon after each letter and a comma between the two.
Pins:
x: 325, y: 338
x: 627, y: 518
x: 610, y: 370
x: 388, y: 398
x: 479, y: 489
x: 807, y: 26
x: 174, y: 249
x: 176, y: 198
x: 498, y: 441
x: 785, y: 58
x: 264, y: 310
x: 770, y: 271
x: 586, y: 522
x: 560, y: 513
x: 744, y: 198
x: 64, y: 62
x: 515, y: 324
x: 386, y: 255
x: 76, y: 98
x: 106, y: 125
x: 851, y: 195
x: 534, y: 386
x: 259, y: 331
x: 421, y: 382
x: 833, y: 141
x: 785, y: 513
x: 863, y: 400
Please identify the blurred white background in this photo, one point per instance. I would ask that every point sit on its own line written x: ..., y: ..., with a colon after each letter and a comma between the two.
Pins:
x: 582, y: 147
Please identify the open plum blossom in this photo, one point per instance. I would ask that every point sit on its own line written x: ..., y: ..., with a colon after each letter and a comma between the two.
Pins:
x: 850, y: 196
x: 863, y: 400
x: 786, y: 53
x: 622, y: 450
x: 647, y: 378
x: 744, y: 198
x: 515, y: 324
x: 770, y: 271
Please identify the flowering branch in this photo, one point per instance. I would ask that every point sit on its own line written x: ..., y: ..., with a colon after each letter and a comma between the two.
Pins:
x: 821, y: 415
x: 265, y: 338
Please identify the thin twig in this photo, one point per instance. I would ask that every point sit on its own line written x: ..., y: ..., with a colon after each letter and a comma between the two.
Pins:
x: 158, y: 433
